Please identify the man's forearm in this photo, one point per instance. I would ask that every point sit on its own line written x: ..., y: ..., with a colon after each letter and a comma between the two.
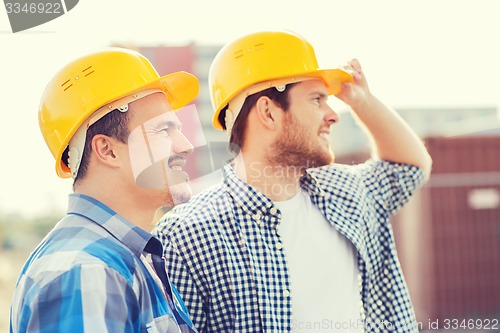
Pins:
x: 393, y: 139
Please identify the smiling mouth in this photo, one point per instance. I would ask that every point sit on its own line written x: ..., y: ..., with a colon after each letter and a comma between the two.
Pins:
x: 175, y: 167
x: 324, y: 135
x: 176, y: 162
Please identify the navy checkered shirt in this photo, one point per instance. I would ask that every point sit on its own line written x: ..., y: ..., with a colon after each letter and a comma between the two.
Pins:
x: 223, y: 258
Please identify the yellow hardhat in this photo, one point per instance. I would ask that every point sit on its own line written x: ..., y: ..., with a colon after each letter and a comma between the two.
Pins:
x: 95, y: 80
x: 265, y: 57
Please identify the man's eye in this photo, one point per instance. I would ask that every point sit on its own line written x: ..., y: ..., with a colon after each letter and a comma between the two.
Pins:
x: 165, y: 130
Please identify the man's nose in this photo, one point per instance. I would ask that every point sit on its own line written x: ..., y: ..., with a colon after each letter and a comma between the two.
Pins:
x: 331, y: 117
x: 182, y: 145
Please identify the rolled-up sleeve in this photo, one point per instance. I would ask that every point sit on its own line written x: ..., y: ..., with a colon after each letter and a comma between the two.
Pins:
x: 391, y: 184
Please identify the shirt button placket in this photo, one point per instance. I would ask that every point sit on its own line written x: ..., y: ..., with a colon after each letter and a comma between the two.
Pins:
x: 258, y: 218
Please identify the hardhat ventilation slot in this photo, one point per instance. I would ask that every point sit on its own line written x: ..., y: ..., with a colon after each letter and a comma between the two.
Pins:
x: 86, y: 69
x: 259, y: 47
x: 62, y: 85
x: 238, y: 54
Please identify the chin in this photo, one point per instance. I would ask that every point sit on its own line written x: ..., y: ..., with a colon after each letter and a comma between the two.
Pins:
x: 323, y: 158
x: 180, y: 193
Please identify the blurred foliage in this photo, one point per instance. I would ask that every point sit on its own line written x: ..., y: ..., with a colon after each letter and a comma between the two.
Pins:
x: 18, y: 232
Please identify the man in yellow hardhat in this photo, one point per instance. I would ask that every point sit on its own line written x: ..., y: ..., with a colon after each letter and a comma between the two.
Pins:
x: 108, y: 119
x: 290, y: 241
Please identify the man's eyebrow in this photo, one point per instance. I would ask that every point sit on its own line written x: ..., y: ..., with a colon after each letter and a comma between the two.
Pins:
x: 175, y: 124
x: 319, y: 94
x: 168, y: 123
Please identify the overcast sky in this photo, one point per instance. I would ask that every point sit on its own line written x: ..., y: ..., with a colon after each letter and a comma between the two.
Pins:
x: 415, y: 53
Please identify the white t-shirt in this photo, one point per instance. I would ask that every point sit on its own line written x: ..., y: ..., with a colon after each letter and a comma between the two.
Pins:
x: 323, y: 270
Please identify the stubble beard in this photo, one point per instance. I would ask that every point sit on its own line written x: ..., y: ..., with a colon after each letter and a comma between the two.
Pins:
x: 178, y: 194
x: 297, y: 150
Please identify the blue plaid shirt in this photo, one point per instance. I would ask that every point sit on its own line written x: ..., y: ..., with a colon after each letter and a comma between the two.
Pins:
x: 225, y: 259
x: 87, y: 276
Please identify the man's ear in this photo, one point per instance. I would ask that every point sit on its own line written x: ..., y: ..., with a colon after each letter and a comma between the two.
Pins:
x: 105, y: 149
x: 267, y: 112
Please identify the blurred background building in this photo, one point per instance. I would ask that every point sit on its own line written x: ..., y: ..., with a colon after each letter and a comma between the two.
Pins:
x: 449, y: 236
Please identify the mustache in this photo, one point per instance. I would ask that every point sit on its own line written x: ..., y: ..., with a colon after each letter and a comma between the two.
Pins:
x: 176, y: 158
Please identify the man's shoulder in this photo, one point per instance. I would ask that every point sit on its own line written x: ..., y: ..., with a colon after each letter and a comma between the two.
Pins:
x: 78, y: 242
x: 354, y: 179
x: 337, y: 173
x: 75, y: 232
x: 355, y: 172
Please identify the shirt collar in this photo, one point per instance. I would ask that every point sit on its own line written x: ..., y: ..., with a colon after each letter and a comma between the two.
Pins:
x: 246, y: 196
x: 251, y: 199
x: 124, y: 231
x: 310, y: 184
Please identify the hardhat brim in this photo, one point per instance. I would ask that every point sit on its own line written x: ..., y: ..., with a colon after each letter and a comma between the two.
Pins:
x: 181, y: 88
x: 333, y: 79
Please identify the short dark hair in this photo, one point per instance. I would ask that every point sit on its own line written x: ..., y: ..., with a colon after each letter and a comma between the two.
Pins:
x: 114, y: 124
x: 239, y: 127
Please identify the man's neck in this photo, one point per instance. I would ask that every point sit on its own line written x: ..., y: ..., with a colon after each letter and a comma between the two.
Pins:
x: 277, y: 182
x: 114, y: 199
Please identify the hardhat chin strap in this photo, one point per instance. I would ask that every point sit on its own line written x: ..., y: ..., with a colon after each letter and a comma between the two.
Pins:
x: 75, y: 149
